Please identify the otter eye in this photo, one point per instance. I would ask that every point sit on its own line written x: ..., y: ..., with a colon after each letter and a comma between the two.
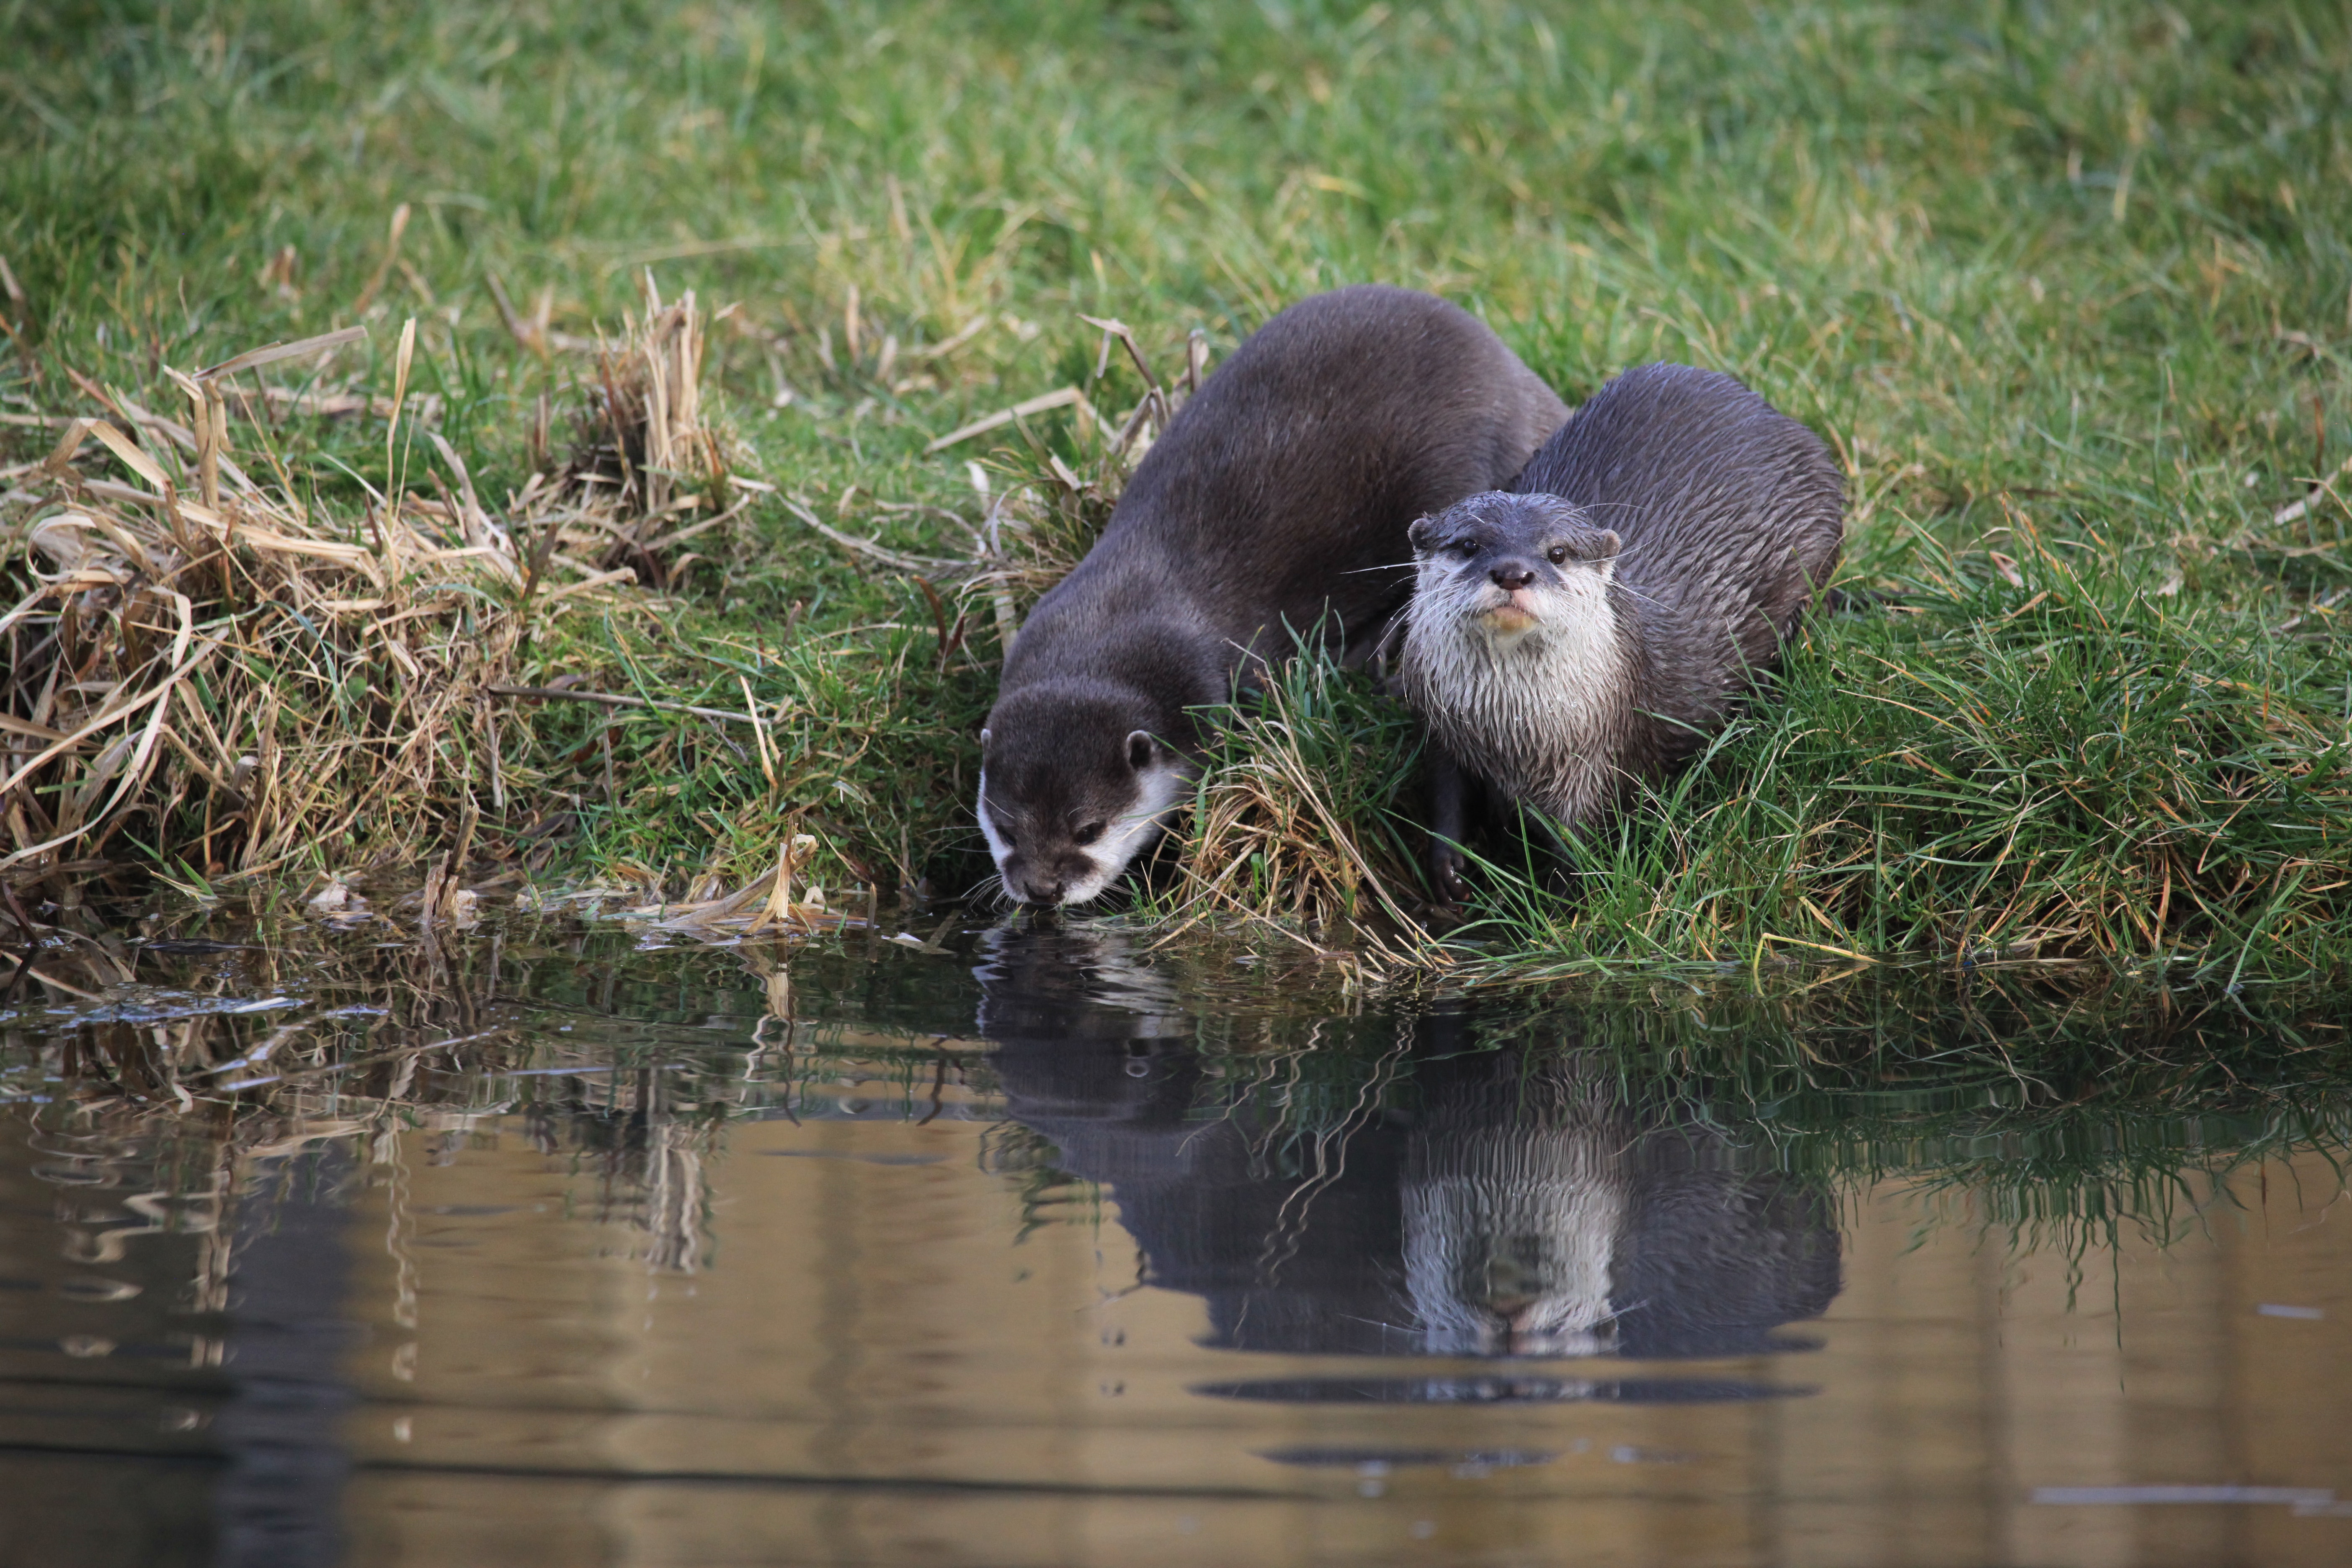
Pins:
x: 1465, y: 548
x: 1559, y: 553
x: 1088, y: 834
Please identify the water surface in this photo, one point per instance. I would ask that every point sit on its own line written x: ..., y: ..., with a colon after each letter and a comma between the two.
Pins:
x: 552, y: 1244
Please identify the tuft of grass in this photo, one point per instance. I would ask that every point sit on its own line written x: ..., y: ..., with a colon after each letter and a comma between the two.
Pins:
x: 1301, y: 813
x: 642, y: 443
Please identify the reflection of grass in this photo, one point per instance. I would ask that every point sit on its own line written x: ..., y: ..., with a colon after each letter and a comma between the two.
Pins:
x: 2064, y: 1115
x: 2044, y: 1108
x: 1043, y: 1191
x: 2063, y: 289
x: 2035, y: 1105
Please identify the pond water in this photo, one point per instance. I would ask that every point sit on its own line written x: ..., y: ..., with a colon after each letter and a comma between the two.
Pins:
x: 555, y: 1244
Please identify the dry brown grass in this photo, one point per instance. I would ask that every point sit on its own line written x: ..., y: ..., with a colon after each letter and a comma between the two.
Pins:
x: 1299, y: 826
x: 209, y: 663
x: 646, y: 455
x: 1043, y: 516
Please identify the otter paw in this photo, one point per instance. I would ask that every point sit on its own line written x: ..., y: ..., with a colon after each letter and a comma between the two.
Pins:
x: 1447, y: 865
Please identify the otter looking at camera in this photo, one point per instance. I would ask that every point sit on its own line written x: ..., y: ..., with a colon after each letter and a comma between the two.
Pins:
x: 1594, y: 625
x: 1275, y: 504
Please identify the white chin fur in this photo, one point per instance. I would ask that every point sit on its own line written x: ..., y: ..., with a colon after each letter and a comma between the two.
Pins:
x: 998, y: 850
x: 1502, y: 638
x: 1163, y: 788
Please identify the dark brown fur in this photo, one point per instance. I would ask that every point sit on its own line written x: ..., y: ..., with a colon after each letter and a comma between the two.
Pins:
x: 1728, y: 521
x: 1279, y: 496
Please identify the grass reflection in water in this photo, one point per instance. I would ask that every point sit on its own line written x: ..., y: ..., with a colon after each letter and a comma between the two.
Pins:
x: 506, y: 1178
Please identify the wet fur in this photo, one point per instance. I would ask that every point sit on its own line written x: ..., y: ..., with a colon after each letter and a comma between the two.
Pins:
x: 1278, y: 496
x: 1538, y: 712
x: 1698, y: 524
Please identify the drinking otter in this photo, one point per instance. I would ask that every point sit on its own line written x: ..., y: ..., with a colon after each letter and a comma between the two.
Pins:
x: 1593, y: 625
x: 1278, y: 499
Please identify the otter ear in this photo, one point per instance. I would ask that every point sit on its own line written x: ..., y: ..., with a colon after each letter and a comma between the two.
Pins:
x: 983, y: 740
x: 1422, y: 535
x: 1607, y: 549
x: 1140, y: 747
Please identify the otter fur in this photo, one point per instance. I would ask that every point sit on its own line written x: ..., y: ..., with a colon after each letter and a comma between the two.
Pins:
x: 1594, y: 624
x: 1275, y: 503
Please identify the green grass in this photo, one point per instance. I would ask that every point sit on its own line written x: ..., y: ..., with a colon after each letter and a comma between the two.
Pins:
x: 2078, y: 273
x: 2067, y: 765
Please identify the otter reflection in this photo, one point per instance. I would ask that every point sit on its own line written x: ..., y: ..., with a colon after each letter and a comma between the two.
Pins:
x: 1517, y: 1190
x: 1454, y: 1201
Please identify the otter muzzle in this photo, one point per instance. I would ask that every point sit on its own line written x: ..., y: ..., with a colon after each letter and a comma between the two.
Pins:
x: 1509, y: 616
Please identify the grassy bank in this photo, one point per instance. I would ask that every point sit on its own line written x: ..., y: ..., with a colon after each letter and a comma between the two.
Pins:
x: 2068, y: 293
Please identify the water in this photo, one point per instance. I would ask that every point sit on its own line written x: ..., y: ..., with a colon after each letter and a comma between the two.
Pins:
x: 1045, y: 1249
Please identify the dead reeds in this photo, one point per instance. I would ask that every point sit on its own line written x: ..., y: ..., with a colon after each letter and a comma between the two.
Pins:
x: 1037, y: 527
x: 647, y: 453
x: 229, y: 676
x: 1300, y: 814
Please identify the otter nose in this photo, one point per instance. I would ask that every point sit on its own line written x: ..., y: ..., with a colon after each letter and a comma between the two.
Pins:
x: 1512, y: 575
x: 1045, y: 890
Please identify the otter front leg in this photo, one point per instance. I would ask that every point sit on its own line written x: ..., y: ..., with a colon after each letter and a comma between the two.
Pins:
x: 1449, y: 790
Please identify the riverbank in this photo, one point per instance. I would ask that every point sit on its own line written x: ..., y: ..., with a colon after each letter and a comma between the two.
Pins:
x: 2066, y: 296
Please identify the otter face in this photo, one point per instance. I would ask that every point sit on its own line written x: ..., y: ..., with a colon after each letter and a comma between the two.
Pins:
x: 1067, y: 798
x: 1506, y: 566
x: 1508, y: 1250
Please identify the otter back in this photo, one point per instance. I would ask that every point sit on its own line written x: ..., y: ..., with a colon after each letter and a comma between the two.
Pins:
x: 1730, y: 513
x: 1278, y: 498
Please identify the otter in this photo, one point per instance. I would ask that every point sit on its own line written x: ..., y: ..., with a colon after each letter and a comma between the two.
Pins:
x: 1275, y: 505
x: 1592, y: 625
x: 1505, y: 1203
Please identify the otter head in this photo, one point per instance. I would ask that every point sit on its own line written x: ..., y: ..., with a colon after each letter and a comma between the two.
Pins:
x: 1072, y: 785
x: 1516, y: 1199
x: 1503, y: 566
